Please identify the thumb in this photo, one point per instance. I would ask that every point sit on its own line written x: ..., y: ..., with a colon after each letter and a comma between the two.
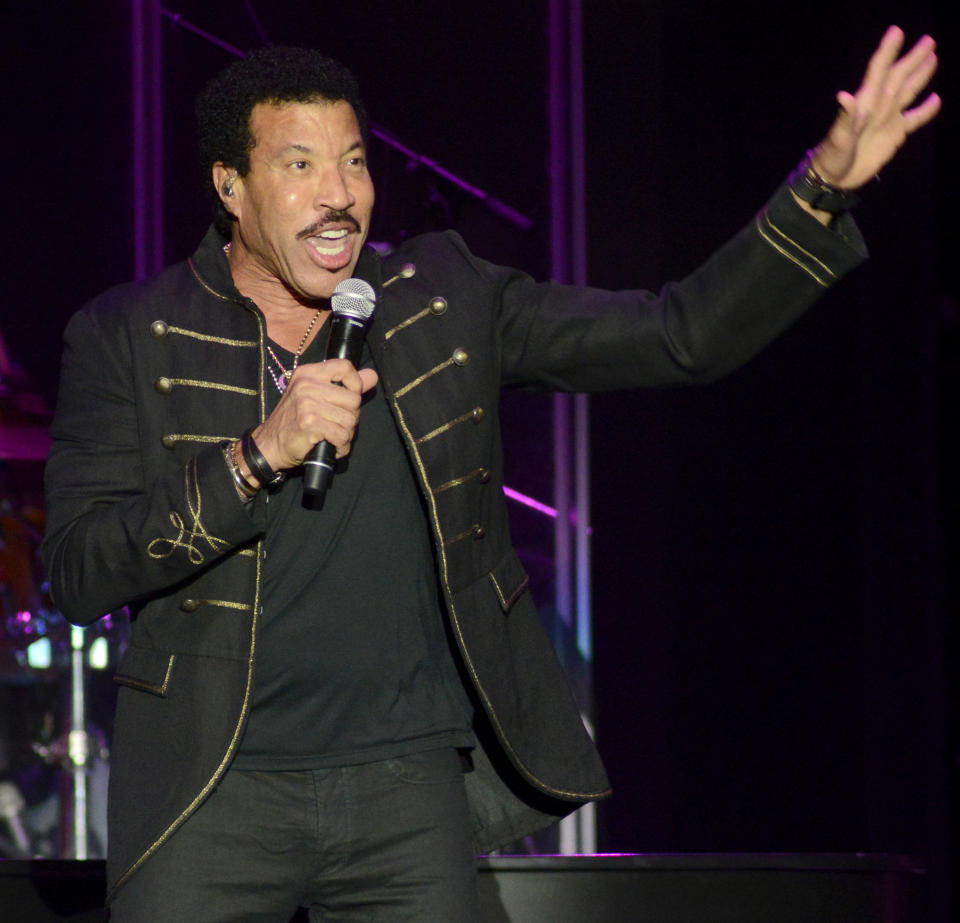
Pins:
x: 850, y: 109
x: 368, y: 378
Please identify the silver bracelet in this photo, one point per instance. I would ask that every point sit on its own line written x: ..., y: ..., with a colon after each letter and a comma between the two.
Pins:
x: 246, y: 490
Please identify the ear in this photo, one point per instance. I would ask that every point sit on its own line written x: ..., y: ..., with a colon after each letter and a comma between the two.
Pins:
x: 226, y: 181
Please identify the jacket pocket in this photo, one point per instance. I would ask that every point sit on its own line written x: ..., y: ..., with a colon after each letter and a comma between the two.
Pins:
x: 509, y: 580
x: 146, y: 670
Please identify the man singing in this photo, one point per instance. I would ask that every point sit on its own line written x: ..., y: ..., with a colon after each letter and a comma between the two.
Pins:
x: 339, y: 705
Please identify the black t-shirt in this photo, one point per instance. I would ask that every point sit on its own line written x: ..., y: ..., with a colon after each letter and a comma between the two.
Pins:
x: 352, y: 661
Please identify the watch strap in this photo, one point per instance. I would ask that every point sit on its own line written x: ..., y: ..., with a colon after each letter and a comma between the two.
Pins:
x: 813, y: 189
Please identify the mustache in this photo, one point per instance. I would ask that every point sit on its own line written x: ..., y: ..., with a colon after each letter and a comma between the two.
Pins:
x: 333, y: 216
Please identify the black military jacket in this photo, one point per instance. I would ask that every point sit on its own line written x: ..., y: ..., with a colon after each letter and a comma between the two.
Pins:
x: 142, y: 510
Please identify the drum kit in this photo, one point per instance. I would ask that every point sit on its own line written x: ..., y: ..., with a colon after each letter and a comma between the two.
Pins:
x: 56, y: 695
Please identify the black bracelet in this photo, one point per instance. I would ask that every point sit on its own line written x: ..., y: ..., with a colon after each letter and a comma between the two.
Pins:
x: 258, y: 465
x: 813, y: 189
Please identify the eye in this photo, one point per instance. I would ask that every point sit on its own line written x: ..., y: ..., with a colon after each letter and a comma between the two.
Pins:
x: 299, y: 165
x: 357, y: 162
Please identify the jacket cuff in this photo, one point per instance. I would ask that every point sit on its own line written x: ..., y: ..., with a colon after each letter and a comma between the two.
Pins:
x: 220, y: 508
x: 825, y: 252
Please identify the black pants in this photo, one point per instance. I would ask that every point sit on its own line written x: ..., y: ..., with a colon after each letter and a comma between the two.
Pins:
x: 387, y: 841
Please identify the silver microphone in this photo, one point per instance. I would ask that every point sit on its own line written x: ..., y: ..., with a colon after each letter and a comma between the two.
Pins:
x: 352, y: 303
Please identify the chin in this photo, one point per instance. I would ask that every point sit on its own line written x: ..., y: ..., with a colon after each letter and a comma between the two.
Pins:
x: 316, y: 289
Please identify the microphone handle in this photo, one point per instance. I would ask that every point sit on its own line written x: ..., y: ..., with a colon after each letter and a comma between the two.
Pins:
x: 346, y: 342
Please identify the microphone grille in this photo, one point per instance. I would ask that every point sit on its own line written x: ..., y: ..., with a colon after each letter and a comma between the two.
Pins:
x: 355, y: 298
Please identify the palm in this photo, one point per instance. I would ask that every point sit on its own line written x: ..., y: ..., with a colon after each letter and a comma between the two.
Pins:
x: 874, y: 122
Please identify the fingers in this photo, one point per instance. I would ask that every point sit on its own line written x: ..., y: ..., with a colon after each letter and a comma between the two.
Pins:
x: 852, y: 117
x: 916, y: 57
x: 920, y: 115
x: 880, y: 63
x: 890, y: 81
x: 331, y: 371
x: 321, y: 403
x: 918, y: 75
x: 874, y: 122
x: 325, y: 399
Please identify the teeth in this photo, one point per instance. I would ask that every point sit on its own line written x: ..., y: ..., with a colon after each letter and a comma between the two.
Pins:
x: 337, y: 247
x: 335, y: 238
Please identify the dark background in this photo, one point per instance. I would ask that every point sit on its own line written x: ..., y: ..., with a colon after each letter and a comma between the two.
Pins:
x: 775, y: 554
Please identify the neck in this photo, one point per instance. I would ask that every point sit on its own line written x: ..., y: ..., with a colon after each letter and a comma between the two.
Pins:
x: 287, y: 313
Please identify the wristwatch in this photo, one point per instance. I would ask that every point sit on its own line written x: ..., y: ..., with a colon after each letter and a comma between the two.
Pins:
x: 813, y: 189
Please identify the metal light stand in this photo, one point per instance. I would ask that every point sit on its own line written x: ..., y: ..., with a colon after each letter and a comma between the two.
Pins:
x: 78, y: 749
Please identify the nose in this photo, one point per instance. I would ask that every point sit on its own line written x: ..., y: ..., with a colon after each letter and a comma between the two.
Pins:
x: 334, y: 191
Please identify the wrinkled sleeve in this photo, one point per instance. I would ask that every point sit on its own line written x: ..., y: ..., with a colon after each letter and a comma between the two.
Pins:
x: 116, y: 533
x: 557, y: 337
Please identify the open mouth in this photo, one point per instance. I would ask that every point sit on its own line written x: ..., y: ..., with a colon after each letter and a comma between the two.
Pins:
x: 330, y: 243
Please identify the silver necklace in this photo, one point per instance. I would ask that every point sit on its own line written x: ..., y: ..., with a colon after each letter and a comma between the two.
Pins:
x: 282, y: 379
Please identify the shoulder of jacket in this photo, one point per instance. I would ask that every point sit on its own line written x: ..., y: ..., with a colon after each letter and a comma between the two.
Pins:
x: 174, y: 295
x: 442, y: 256
x: 134, y: 297
x: 436, y: 245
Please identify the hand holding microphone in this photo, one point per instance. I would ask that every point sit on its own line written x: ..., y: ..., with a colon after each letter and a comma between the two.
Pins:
x: 352, y: 303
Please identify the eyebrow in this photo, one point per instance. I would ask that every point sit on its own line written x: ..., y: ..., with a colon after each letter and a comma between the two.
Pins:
x: 304, y: 149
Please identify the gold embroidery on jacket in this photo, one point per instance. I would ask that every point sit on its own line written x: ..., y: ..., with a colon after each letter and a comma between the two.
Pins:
x: 255, y: 609
x: 194, y: 437
x: 406, y: 323
x: 196, y: 383
x: 458, y: 482
x: 121, y: 679
x: 161, y: 548
x: 407, y: 271
x: 793, y: 259
x: 804, y: 251
x: 461, y: 643
x: 470, y: 533
x: 207, y: 338
x: 228, y: 756
x: 496, y: 586
x: 469, y: 415
x: 419, y: 381
x: 506, y: 602
x: 203, y: 282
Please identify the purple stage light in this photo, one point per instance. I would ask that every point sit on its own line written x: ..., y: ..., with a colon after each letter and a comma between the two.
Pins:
x: 529, y: 501
x: 539, y: 507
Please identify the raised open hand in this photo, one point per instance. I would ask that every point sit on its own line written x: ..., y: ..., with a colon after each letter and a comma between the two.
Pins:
x: 874, y: 122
